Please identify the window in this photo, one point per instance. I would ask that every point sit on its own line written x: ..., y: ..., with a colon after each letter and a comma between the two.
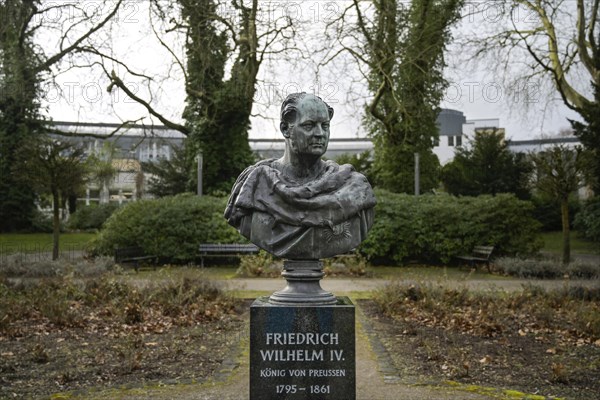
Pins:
x: 450, y: 141
x: 459, y: 140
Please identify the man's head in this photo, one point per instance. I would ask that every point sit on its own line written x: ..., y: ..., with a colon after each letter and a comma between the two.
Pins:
x: 305, y: 123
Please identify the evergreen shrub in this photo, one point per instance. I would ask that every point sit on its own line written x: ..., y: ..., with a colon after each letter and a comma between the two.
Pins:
x: 436, y: 228
x: 91, y: 217
x: 546, y: 210
x: 170, y: 227
x: 587, y: 221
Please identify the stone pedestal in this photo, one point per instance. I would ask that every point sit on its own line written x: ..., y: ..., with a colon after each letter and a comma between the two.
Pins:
x: 302, y: 352
x: 303, y: 285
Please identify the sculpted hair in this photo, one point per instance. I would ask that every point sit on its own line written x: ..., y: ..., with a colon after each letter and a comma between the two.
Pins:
x: 289, y: 108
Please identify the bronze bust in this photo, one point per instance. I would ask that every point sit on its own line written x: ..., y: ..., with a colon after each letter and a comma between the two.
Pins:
x: 300, y: 207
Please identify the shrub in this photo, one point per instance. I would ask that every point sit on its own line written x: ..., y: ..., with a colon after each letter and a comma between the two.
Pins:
x: 584, y: 270
x: 91, y: 217
x: 530, y: 268
x: 31, y: 266
x: 343, y: 265
x: 587, y: 221
x: 263, y: 264
x: 546, y: 268
x: 170, y: 227
x: 437, y: 228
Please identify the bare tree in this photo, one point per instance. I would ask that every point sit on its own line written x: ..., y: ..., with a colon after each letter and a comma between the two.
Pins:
x: 37, y: 39
x: 559, y: 172
x: 399, y: 49
x: 53, y: 167
x: 549, y: 41
x: 217, y: 48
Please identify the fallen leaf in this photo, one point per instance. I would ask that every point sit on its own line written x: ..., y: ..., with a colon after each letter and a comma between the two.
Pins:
x: 486, y: 360
x: 551, y: 351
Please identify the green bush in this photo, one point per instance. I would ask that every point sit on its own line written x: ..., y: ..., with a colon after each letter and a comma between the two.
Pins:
x: 587, y: 221
x: 170, y: 227
x: 437, y: 228
x: 91, y: 217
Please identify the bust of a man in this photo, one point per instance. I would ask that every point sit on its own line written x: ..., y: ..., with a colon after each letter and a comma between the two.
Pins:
x: 299, y: 206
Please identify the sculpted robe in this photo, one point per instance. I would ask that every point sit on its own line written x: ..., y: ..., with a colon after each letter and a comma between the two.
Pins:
x: 322, y: 218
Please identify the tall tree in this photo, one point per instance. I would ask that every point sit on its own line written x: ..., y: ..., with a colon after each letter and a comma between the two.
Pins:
x: 559, y: 172
x: 19, y: 104
x: 218, y: 110
x: 405, y: 58
x: 24, y: 67
x: 53, y: 167
x: 225, y: 44
x: 556, y: 41
x: 487, y: 166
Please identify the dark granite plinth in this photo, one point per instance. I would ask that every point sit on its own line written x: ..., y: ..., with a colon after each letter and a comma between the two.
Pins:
x: 302, y: 352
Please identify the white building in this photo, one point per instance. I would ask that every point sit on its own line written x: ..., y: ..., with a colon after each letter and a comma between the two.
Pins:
x: 140, y: 143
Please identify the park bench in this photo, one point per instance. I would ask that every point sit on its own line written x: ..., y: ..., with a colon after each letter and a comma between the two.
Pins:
x: 225, y: 250
x: 479, y: 255
x: 133, y: 255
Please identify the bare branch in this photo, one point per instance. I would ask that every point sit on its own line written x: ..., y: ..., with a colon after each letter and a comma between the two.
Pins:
x: 124, y: 124
x: 116, y: 81
x: 58, y: 56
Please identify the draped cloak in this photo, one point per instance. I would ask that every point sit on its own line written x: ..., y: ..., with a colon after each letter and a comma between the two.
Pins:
x: 322, y: 218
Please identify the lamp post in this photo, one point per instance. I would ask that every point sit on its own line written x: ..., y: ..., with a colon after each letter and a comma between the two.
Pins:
x: 417, y: 183
x: 199, y: 162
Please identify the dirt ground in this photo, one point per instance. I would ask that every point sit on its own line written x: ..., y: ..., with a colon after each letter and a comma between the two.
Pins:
x: 37, y: 365
x: 545, y: 366
x: 68, y: 360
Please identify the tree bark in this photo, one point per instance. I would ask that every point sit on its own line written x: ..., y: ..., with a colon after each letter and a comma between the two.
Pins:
x: 566, y: 251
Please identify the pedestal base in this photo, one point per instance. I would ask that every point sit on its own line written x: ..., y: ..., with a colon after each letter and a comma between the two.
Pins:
x: 302, y: 352
x: 303, y: 285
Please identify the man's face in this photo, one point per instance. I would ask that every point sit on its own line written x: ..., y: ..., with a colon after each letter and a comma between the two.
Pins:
x: 309, y: 134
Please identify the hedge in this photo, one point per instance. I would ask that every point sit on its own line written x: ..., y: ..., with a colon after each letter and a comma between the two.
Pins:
x: 429, y: 228
x: 436, y: 228
x: 170, y: 227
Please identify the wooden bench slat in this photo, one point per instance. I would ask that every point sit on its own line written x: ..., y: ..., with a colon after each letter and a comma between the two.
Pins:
x: 133, y: 254
x: 481, y: 254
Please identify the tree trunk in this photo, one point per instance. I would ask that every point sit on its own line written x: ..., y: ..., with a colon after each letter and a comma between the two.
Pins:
x: 566, y: 253
x: 55, y: 224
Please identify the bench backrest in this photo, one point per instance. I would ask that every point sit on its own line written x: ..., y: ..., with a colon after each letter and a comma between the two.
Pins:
x: 229, y: 248
x: 125, y: 252
x: 483, y: 251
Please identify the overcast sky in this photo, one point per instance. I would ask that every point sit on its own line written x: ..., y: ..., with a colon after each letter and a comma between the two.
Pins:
x: 473, y: 89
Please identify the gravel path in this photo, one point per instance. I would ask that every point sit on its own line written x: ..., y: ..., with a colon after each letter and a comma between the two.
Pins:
x: 338, y: 285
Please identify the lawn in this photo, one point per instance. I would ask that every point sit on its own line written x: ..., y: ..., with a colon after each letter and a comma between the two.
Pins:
x: 41, y: 242
x: 553, y: 243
